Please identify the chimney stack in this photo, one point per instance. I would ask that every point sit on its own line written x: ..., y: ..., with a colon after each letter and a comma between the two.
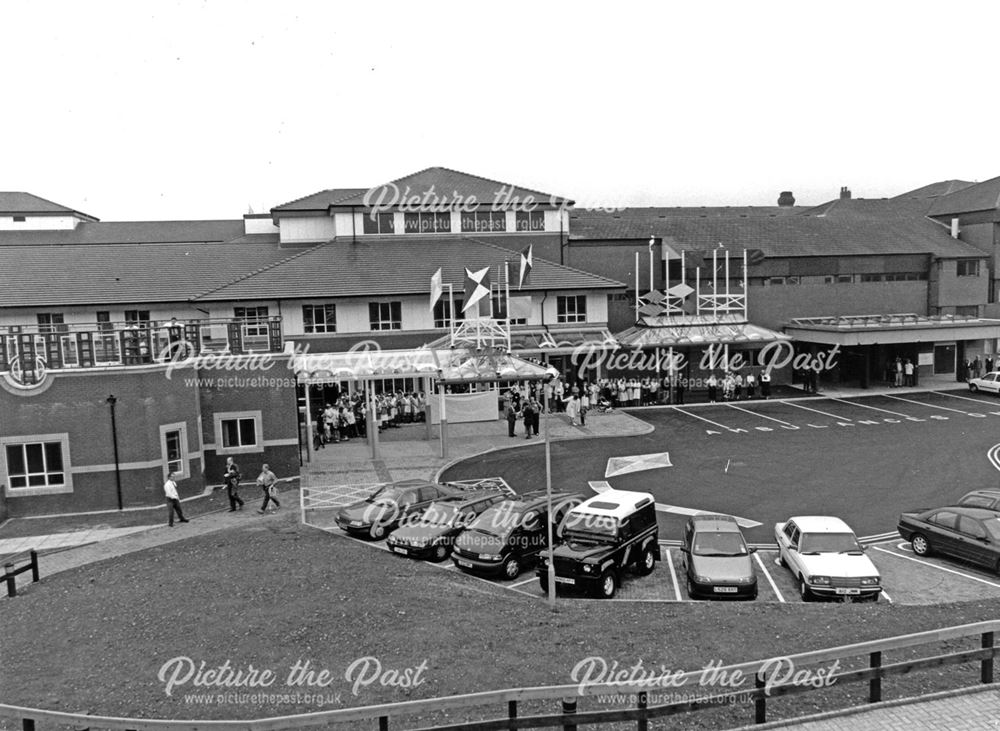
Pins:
x: 786, y: 199
x: 845, y: 193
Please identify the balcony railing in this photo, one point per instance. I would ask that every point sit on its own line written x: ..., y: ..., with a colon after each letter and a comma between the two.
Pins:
x: 27, y: 351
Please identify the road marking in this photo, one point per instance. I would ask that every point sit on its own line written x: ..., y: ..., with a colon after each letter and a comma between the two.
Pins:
x: 702, y: 418
x: 929, y: 406
x: 636, y: 463
x: 769, y: 579
x: 991, y: 455
x: 880, y: 537
x: 935, y: 566
x: 673, y: 576
x: 824, y: 413
x: 982, y: 401
x: 520, y: 583
x: 754, y: 413
x: 873, y: 408
x: 887, y: 597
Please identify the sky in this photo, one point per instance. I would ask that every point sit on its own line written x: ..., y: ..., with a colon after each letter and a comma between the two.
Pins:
x: 198, y: 110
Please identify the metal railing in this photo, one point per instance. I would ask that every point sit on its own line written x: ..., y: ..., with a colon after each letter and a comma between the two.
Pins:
x: 10, y: 572
x: 764, y: 688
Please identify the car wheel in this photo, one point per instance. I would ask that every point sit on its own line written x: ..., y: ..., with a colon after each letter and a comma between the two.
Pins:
x: 973, y: 387
x: 804, y: 590
x: 608, y: 586
x: 691, y: 590
x: 377, y: 531
x: 647, y: 563
x: 511, y: 568
x: 781, y: 560
x: 920, y: 545
x: 754, y: 595
x: 544, y: 584
x: 440, y: 553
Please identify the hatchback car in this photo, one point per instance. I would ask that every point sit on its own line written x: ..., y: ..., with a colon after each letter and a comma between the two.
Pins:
x: 717, y: 560
x: 989, y: 499
x: 826, y: 559
x: 432, y: 534
x: 988, y: 382
x: 969, y: 534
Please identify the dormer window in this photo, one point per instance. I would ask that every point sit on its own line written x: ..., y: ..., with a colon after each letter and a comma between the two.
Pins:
x: 19, y: 219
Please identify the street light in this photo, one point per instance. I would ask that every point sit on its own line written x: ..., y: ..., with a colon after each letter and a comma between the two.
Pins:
x: 111, y: 401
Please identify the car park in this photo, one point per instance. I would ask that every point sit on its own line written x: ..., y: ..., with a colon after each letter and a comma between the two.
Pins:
x: 988, y: 382
x: 825, y: 558
x: 716, y: 558
x: 600, y: 539
x: 986, y: 498
x: 509, y: 536
x: 966, y: 533
x: 431, y: 534
x: 380, y: 513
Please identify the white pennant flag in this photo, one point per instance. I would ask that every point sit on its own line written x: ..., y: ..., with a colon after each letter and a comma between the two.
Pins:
x: 437, y: 288
x: 526, y: 263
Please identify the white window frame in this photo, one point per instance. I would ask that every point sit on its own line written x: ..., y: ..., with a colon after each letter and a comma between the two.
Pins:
x: 222, y: 416
x: 67, y: 485
x: 574, y: 317
x: 185, y: 459
x: 380, y: 321
x: 324, y: 327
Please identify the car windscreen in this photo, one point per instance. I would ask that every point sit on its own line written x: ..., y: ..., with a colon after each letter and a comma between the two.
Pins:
x: 589, y: 526
x: 439, y: 513
x: 992, y: 526
x: 385, y: 495
x: 497, y: 521
x: 713, y: 543
x: 829, y: 543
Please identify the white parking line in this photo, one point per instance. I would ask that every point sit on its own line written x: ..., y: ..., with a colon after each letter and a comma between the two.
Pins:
x: 520, y: 583
x: 824, y: 413
x: 769, y: 579
x: 930, y: 406
x: 982, y: 401
x: 873, y: 408
x: 887, y: 597
x: 673, y: 576
x: 708, y: 421
x: 935, y: 566
x: 754, y: 413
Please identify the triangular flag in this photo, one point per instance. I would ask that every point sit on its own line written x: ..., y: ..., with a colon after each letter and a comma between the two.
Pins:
x: 526, y: 263
x: 477, y: 286
x: 437, y: 288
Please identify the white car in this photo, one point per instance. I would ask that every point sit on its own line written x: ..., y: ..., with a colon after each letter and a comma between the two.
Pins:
x: 826, y: 559
x: 989, y: 382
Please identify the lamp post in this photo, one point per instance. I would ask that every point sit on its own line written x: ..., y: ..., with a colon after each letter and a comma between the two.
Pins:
x: 111, y: 401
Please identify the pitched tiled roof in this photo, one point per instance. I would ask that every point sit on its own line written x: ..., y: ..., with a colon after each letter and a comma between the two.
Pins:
x: 983, y: 196
x: 129, y: 232
x: 394, y: 265
x: 935, y: 190
x: 446, y: 182
x: 319, y: 201
x: 18, y: 202
x: 56, y: 274
x: 639, y: 223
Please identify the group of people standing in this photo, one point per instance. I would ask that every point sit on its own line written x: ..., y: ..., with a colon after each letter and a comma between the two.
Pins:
x: 978, y: 367
x: 736, y: 386
x: 345, y: 418
x: 267, y: 481
x: 900, y: 372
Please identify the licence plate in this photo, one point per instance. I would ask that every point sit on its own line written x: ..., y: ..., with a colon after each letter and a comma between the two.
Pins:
x: 397, y: 549
x: 463, y: 562
x: 724, y: 589
x: 849, y: 592
x: 565, y: 580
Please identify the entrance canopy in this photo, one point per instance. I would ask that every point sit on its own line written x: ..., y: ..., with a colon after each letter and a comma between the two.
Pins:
x: 891, y: 329
x: 554, y: 340
x: 447, y: 365
x: 680, y: 330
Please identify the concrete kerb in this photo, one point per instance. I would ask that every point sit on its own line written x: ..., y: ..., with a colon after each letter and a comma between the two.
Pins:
x: 869, y: 707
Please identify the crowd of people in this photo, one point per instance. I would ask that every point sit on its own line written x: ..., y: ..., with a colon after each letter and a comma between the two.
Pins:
x: 345, y: 418
x: 978, y: 367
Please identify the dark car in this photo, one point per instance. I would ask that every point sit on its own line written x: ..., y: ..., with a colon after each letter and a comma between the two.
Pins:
x: 380, y: 512
x: 969, y: 534
x: 986, y: 498
x: 509, y: 536
x: 432, y: 534
x: 602, y: 538
x: 717, y: 560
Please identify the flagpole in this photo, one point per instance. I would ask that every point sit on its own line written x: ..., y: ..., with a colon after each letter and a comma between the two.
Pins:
x: 652, y: 243
x: 745, y: 308
x: 715, y: 290
x: 666, y: 285
x: 697, y: 289
x: 727, y: 280
x: 637, y: 286
x: 506, y: 284
x: 451, y: 311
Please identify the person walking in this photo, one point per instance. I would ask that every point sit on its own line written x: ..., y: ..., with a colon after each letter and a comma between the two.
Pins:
x: 572, y: 409
x: 267, y: 482
x: 173, y: 500
x: 232, y: 480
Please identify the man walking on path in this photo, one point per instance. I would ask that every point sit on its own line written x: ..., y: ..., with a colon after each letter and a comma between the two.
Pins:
x: 267, y: 480
x: 173, y: 500
x: 233, y: 485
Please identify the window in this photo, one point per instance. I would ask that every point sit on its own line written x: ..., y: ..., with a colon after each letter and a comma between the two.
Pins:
x: 442, y: 312
x: 51, y: 322
x: 35, y: 465
x: 319, y: 318
x: 845, y: 278
x: 967, y: 267
x: 426, y: 223
x: 173, y: 447
x: 382, y: 223
x: 19, y: 219
x: 945, y: 519
x: 104, y: 321
x: 238, y: 432
x: 484, y: 221
x: 385, y: 315
x: 529, y: 220
x: 254, y: 321
x: 871, y: 277
x: 571, y: 309
x: 137, y: 317
x: 967, y: 311
x: 971, y: 526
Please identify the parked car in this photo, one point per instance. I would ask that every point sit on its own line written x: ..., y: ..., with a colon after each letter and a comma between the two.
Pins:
x: 380, y: 512
x: 826, y: 559
x: 432, y: 534
x: 969, y: 534
x: 717, y: 560
x: 600, y: 539
x: 988, y: 382
x: 510, y: 535
x: 986, y: 498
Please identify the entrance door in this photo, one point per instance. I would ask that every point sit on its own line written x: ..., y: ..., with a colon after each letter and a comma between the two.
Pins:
x: 944, y: 358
